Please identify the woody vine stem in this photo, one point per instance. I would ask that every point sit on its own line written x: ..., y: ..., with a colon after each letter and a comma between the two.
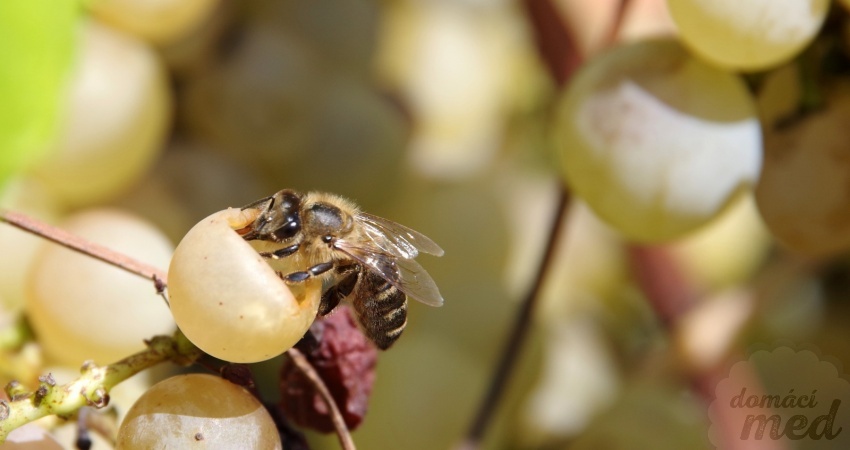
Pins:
x: 559, y: 52
x: 92, y: 388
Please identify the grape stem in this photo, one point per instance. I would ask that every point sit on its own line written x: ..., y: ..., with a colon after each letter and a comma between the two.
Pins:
x: 304, y: 365
x: 560, y: 53
x: 92, y: 388
x: 83, y: 246
x: 513, y: 345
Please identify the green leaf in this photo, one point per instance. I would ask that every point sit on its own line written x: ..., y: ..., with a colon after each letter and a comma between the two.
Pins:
x: 37, y: 38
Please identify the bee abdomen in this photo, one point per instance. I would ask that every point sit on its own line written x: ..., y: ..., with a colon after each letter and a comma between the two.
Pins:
x: 382, y: 310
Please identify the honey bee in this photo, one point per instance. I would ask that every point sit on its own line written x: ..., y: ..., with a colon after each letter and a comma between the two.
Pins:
x: 365, y: 258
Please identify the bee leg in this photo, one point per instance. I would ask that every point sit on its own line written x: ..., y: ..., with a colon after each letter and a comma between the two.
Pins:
x: 281, y: 253
x: 337, y: 292
x: 302, y: 276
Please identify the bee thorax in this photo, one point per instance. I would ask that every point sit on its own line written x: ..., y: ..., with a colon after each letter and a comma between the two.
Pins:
x: 325, y: 220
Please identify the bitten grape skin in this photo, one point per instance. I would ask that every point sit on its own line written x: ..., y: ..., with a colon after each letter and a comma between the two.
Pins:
x: 227, y: 299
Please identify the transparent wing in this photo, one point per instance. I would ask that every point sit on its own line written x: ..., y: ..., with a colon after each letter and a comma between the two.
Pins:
x: 396, y: 239
x: 405, y: 274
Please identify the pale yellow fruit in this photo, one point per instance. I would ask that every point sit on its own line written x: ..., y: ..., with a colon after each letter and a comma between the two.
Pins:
x: 656, y: 141
x: 197, y: 411
x: 158, y: 21
x: 229, y: 301
x: 456, y: 68
x: 82, y: 308
x: 27, y: 196
x: 779, y: 96
x: 751, y: 34
x: 115, y: 120
x: 727, y: 251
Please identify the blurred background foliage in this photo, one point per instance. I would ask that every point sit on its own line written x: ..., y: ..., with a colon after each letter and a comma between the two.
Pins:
x: 443, y: 116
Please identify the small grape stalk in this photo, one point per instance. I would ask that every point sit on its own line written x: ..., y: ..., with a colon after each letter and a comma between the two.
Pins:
x: 345, y: 360
x: 92, y: 388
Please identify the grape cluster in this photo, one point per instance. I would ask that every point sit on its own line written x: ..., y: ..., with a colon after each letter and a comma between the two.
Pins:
x: 660, y: 136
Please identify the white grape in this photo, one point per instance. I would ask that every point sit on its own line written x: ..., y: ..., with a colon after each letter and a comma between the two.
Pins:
x: 114, y: 122
x: 197, y: 411
x: 457, y: 70
x: 656, y: 141
x: 751, y: 34
x: 27, y: 196
x: 229, y: 301
x: 727, y: 251
x: 159, y: 21
x: 82, y: 308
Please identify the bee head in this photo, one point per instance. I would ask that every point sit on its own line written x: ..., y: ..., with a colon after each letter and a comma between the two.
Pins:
x: 280, y: 221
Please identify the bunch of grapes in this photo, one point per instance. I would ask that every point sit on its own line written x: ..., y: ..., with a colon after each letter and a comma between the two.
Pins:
x: 660, y: 136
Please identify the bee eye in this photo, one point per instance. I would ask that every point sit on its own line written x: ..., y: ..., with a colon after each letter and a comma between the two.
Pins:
x: 288, y: 230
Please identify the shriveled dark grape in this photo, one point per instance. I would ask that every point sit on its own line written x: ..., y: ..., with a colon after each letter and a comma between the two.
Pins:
x: 345, y: 360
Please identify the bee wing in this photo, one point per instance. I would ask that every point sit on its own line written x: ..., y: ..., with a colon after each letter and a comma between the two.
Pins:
x: 416, y: 283
x: 405, y: 274
x: 396, y: 239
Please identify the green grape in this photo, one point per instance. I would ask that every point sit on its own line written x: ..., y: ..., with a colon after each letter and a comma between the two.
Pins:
x: 229, y: 301
x: 656, y: 141
x: 457, y: 72
x: 748, y: 35
x: 82, y: 308
x: 115, y: 120
x: 197, y: 411
x: 160, y: 22
x: 729, y: 250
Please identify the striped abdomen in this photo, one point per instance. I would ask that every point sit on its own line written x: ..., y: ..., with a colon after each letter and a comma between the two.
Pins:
x: 381, y: 308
